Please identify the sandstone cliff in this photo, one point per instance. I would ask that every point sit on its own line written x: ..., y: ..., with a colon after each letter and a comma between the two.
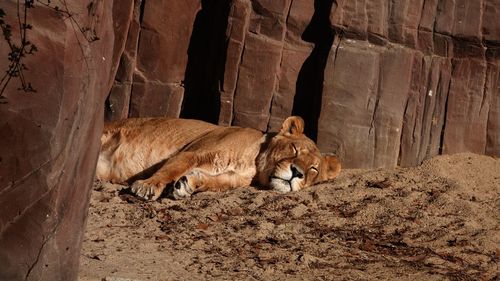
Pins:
x: 379, y: 83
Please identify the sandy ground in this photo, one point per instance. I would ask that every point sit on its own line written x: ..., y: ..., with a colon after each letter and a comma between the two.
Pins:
x: 439, y: 221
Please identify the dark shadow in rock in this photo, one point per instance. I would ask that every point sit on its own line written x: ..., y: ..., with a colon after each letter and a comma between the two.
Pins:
x: 309, y: 87
x: 206, y: 62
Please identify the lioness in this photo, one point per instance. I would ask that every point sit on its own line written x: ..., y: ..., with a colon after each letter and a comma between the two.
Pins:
x: 151, y: 153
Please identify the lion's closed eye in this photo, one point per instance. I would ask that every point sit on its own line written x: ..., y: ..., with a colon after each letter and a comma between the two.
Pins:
x: 313, y: 171
x: 294, y: 150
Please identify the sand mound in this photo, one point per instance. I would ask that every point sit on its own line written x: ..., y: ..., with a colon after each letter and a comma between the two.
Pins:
x: 433, y: 222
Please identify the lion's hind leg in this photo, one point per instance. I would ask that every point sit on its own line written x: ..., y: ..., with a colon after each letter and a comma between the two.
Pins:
x: 152, y: 187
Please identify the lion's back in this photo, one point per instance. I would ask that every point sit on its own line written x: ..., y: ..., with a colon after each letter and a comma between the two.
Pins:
x: 130, y: 146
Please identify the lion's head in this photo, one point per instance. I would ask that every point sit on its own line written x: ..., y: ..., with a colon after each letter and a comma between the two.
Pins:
x: 290, y: 161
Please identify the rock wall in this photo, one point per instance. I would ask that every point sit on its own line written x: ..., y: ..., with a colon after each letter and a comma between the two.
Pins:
x: 49, y: 139
x: 379, y: 83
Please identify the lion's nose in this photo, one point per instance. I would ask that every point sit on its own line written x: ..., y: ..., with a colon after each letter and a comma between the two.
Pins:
x: 296, y: 172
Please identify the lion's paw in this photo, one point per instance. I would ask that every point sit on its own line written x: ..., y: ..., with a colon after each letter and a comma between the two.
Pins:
x: 146, y: 189
x: 182, y: 188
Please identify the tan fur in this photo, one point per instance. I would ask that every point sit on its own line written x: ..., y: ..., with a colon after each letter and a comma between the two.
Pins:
x: 194, y: 156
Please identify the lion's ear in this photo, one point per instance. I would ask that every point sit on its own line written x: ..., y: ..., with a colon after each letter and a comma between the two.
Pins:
x: 329, y: 169
x: 293, y: 125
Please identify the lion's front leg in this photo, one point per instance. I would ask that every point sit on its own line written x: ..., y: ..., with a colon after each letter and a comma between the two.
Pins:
x: 186, y: 186
x: 197, y: 181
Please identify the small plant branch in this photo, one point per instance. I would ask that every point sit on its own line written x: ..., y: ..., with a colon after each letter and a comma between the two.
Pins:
x: 63, y: 10
x: 19, y: 49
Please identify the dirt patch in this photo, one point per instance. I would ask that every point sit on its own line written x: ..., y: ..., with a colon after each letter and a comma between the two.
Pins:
x: 433, y: 222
